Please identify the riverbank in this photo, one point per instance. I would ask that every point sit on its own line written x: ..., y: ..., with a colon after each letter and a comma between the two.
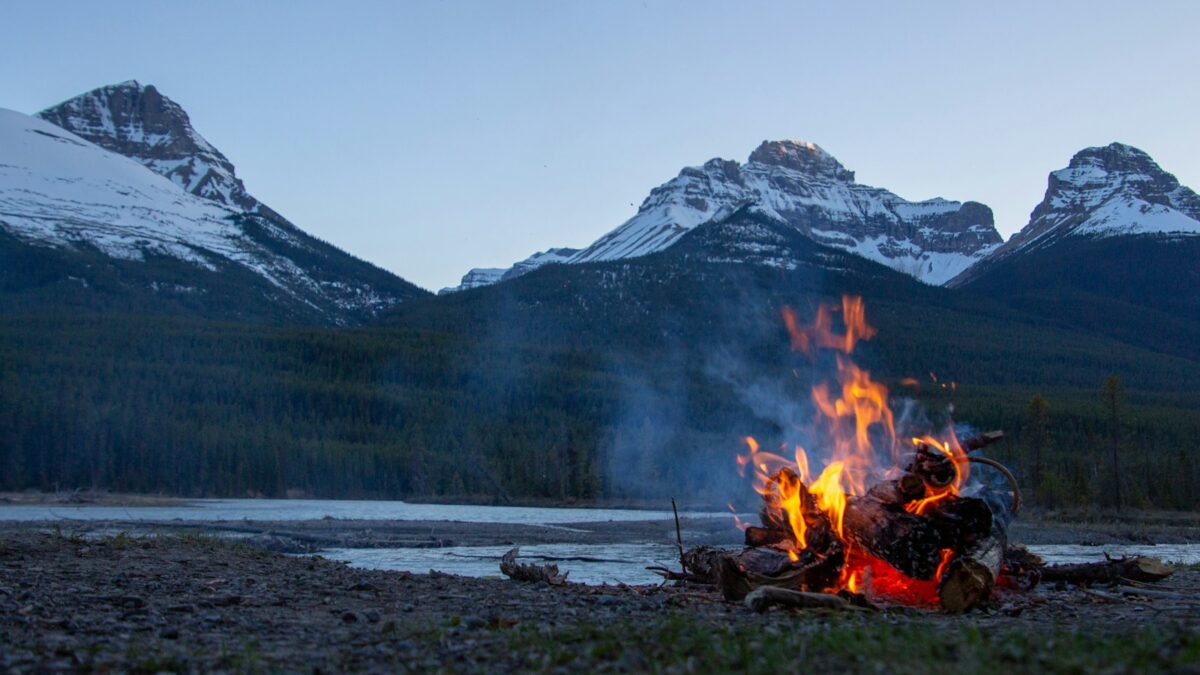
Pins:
x: 88, y: 498
x: 198, y: 603
x: 311, y: 536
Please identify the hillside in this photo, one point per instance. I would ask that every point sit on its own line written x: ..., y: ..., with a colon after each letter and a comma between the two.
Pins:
x: 614, y: 380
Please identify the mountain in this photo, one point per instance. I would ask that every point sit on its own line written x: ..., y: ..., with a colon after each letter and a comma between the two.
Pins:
x: 626, y: 378
x: 1111, y: 191
x: 1112, y: 248
x: 932, y: 240
x: 140, y: 123
x: 486, y: 276
x: 139, y: 212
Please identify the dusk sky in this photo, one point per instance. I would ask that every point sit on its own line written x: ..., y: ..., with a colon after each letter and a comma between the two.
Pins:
x: 431, y: 137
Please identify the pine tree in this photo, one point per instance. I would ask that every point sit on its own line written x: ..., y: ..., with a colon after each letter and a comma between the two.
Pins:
x: 1111, y: 393
x: 1038, y: 431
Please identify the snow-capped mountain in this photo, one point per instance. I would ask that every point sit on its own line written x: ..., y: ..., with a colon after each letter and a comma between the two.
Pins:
x: 1107, y: 192
x: 801, y: 184
x: 61, y: 191
x: 1111, y: 248
x: 932, y: 240
x: 486, y: 276
x: 140, y: 123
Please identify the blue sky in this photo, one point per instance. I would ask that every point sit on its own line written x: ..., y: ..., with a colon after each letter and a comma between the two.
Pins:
x: 430, y: 137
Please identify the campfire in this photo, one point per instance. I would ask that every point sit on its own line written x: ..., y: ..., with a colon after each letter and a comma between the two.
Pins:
x: 887, y: 519
x: 884, y: 517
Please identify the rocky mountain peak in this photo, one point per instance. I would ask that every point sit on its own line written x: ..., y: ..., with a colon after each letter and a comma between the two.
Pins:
x: 139, y: 122
x: 1106, y: 191
x: 94, y: 191
x: 1113, y: 189
x: 1116, y: 157
x: 803, y: 156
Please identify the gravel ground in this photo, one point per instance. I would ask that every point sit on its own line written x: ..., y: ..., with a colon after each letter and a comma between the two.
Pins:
x: 188, y: 603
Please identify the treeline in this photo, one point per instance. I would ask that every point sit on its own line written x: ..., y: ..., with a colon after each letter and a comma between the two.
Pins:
x: 199, y: 408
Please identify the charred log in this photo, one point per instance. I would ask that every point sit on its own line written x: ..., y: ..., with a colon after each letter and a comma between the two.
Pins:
x: 738, y: 573
x: 777, y: 532
x: 965, y: 584
x: 969, y: 579
x: 762, y: 536
x: 913, y: 543
x: 982, y: 440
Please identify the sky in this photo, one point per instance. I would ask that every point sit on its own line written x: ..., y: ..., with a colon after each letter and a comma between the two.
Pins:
x: 432, y: 137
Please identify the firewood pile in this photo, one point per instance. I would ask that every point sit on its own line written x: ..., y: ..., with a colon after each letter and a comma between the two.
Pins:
x: 897, y: 545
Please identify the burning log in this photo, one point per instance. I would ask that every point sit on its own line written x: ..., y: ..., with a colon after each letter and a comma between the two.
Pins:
x: 968, y: 580
x: 737, y: 574
x: 910, y: 542
x: 520, y: 572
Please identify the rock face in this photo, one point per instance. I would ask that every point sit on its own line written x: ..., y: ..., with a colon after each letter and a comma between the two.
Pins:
x: 140, y: 123
x: 1105, y: 192
x: 486, y: 276
x: 801, y: 184
x: 477, y: 277
x: 137, y: 183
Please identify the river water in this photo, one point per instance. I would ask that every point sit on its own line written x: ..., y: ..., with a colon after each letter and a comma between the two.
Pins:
x: 626, y: 563
x: 317, y: 509
x: 587, y: 563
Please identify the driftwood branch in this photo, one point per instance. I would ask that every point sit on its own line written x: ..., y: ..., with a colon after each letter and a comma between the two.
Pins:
x: 519, y: 572
x: 1110, y: 571
x: 766, y: 597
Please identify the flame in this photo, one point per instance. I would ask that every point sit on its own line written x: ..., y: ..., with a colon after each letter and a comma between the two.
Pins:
x: 857, y: 428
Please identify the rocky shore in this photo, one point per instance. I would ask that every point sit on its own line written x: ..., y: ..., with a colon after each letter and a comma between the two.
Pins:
x: 190, y: 603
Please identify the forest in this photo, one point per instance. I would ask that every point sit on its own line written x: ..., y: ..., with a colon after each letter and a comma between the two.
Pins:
x: 202, y: 408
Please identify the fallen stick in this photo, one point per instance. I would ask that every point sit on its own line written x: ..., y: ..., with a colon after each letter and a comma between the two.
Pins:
x: 672, y: 575
x: 678, y: 535
x: 1141, y: 568
x: 1149, y: 593
x: 1105, y: 597
x: 763, y: 598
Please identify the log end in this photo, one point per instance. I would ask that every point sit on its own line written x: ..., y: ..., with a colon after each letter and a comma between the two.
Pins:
x: 966, y: 584
x: 1146, y: 569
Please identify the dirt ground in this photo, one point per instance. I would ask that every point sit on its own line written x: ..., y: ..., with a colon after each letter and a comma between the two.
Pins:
x: 189, y: 603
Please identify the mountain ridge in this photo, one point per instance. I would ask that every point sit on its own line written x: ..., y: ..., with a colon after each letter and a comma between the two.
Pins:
x: 932, y: 240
